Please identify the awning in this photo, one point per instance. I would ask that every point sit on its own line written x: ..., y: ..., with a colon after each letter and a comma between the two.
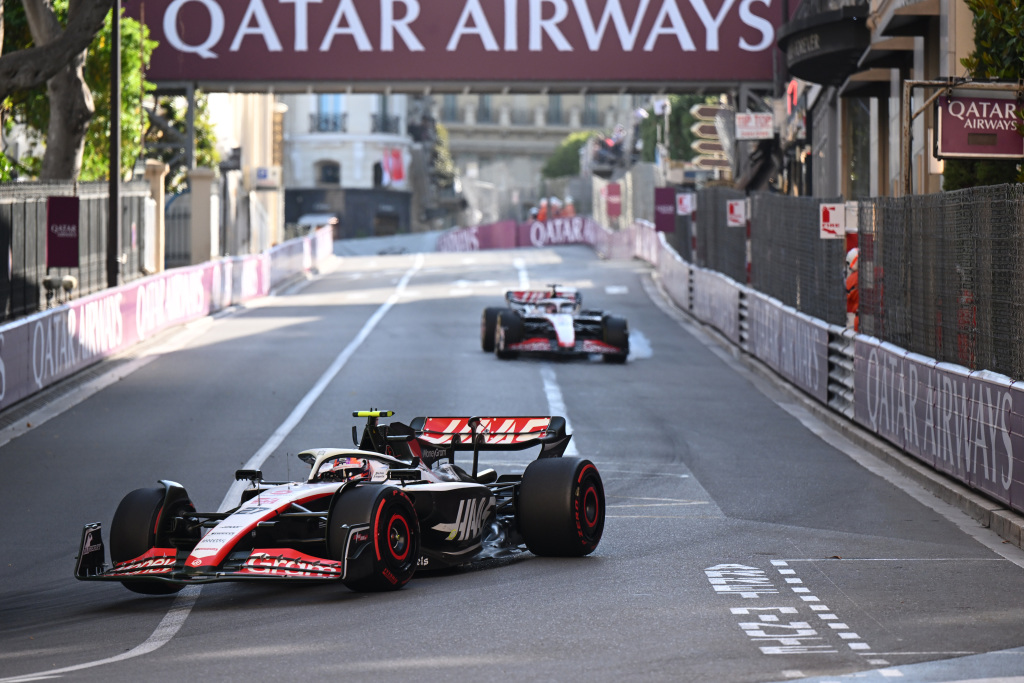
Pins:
x: 825, y: 40
x: 870, y: 83
x: 907, y: 18
x: 889, y: 53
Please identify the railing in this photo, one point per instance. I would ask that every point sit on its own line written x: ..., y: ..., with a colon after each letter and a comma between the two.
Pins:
x: 385, y: 123
x: 328, y: 123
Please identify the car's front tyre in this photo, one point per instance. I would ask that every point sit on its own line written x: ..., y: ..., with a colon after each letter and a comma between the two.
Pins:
x: 385, y: 558
x: 142, y: 521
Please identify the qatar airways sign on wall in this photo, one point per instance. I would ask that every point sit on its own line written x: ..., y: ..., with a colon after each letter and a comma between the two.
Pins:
x: 233, y: 41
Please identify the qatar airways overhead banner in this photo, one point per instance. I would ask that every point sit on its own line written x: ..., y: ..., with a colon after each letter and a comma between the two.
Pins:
x: 234, y: 41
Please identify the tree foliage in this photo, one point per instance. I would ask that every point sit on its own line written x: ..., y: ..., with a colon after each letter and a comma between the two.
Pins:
x: 565, y: 160
x: 31, y: 107
x: 680, y: 138
x: 999, y: 55
x: 173, y: 113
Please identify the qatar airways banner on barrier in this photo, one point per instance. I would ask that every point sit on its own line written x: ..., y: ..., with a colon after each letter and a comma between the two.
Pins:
x: 969, y: 425
x: 234, y: 41
x: 42, y: 349
x: 509, y: 234
x: 793, y: 344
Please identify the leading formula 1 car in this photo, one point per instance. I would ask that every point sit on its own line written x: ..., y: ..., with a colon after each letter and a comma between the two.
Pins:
x: 552, y: 321
x: 368, y: 517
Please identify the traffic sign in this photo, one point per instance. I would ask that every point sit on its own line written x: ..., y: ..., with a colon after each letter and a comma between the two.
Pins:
x: 713, y: 147
x: 704, y: 130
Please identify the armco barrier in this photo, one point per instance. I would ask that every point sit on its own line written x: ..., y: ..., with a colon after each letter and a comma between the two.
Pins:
x: 44, y: 348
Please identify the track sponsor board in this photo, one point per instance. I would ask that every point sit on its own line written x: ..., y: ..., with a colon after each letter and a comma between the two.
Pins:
x: 969, y: 425
x: 290, y: 41
x: 791, y: 343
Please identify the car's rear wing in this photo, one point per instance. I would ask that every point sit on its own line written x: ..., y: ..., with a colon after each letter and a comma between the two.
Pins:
x: 448, y: 434
x: 534, y: 296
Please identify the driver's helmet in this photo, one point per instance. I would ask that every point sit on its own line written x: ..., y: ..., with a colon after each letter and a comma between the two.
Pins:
x: 550, y: 308
x: 346, y: 469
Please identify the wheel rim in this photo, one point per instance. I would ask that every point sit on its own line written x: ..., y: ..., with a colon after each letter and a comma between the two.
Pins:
x: 398, y: 537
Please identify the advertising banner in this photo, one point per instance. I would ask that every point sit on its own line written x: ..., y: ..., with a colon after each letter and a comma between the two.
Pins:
x: 665, y: 209
x: 963, y: 423
x: 686, y: 203
x: 755, y: 126
x: 62, y: 232
x: 295, y: 41
x: 978, y: 128
x: 613, y: 196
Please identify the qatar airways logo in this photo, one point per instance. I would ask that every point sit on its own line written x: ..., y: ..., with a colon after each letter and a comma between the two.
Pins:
x: 505, y: 26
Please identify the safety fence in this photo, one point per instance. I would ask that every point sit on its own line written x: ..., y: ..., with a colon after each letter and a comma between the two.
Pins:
x: 44, y: 348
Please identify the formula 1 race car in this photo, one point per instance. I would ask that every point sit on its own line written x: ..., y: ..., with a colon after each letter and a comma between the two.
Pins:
x: 552, y: 321
x: 368, y: 517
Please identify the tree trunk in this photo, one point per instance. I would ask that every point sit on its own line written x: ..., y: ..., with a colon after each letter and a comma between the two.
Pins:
x: 71, y: 105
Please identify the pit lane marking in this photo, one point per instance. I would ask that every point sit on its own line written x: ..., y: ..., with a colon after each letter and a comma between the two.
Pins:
x: 186, y: 599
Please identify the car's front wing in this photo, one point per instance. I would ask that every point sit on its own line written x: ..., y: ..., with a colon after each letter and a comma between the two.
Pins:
x: 169, y: 565
x: 550, y: 345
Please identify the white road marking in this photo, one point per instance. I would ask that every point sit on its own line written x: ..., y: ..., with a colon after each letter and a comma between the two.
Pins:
x: 186, y: 599
x: 524, y: 278
x: 556, y: 406
x: 616, y: 289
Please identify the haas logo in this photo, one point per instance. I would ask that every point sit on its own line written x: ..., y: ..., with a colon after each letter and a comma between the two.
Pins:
x: 469, y: 520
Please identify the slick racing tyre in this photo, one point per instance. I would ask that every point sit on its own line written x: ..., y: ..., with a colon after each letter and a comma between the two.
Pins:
x: 488, y: 323
x: 508, y: 330
x: 616, y: 333
x: 560, y: 510
x: 383, y: 550
x: 142, y: 522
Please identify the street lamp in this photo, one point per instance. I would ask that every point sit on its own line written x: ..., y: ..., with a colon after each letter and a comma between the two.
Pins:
x: 114, y: 210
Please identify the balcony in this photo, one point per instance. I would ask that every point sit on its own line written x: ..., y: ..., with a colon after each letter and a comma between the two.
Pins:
x: 385, y: 123
x: 328, y: 123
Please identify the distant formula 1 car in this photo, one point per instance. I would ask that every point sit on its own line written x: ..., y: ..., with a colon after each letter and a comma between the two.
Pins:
x: 368, y: 517
x: 552, y: 321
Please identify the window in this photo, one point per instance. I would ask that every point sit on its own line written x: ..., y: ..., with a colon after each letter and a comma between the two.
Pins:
x: 483, y: 110
x: 330, y: 115
x: 554, y: 110
x: 328, y: 173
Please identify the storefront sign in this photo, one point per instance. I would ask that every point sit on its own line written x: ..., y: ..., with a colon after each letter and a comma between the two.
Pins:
x: 978, y: 128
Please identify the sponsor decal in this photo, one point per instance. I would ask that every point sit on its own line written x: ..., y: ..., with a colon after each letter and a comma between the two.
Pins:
x: 360, y: 537
x: 89, y: 546
x: 469, y: 520
x: 292, y: 564
x: 496, y: 430
x: 155, y: 561
x: 422, y: 562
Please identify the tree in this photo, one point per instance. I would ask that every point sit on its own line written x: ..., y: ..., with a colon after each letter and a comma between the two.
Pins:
x: 565, y: 160
x: 31, y: 67
x: 58, y: 59
x: 998, y: 55
x: 81, y: 140
x: 166, y: 139
x: 680, y: 121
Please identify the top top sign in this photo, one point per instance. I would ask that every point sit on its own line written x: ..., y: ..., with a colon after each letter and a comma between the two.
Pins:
x: 297, y: 41
x: 755, y: 126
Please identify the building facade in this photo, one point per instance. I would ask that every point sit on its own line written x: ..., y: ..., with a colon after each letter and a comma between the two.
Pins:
x: 845, y: 129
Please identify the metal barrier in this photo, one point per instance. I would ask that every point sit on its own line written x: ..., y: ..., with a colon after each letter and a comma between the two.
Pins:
x: 23, y: 239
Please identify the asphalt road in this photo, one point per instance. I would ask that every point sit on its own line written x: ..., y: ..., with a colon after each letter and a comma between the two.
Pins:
x: 745, y: 540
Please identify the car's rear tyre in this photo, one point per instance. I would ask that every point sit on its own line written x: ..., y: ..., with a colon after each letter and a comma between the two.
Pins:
x: 141, y: 522
x: 488, y: 323
x: 616, y: 333
x: 560, y: 508
x: 508, y: 330
x: 388, y: 560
